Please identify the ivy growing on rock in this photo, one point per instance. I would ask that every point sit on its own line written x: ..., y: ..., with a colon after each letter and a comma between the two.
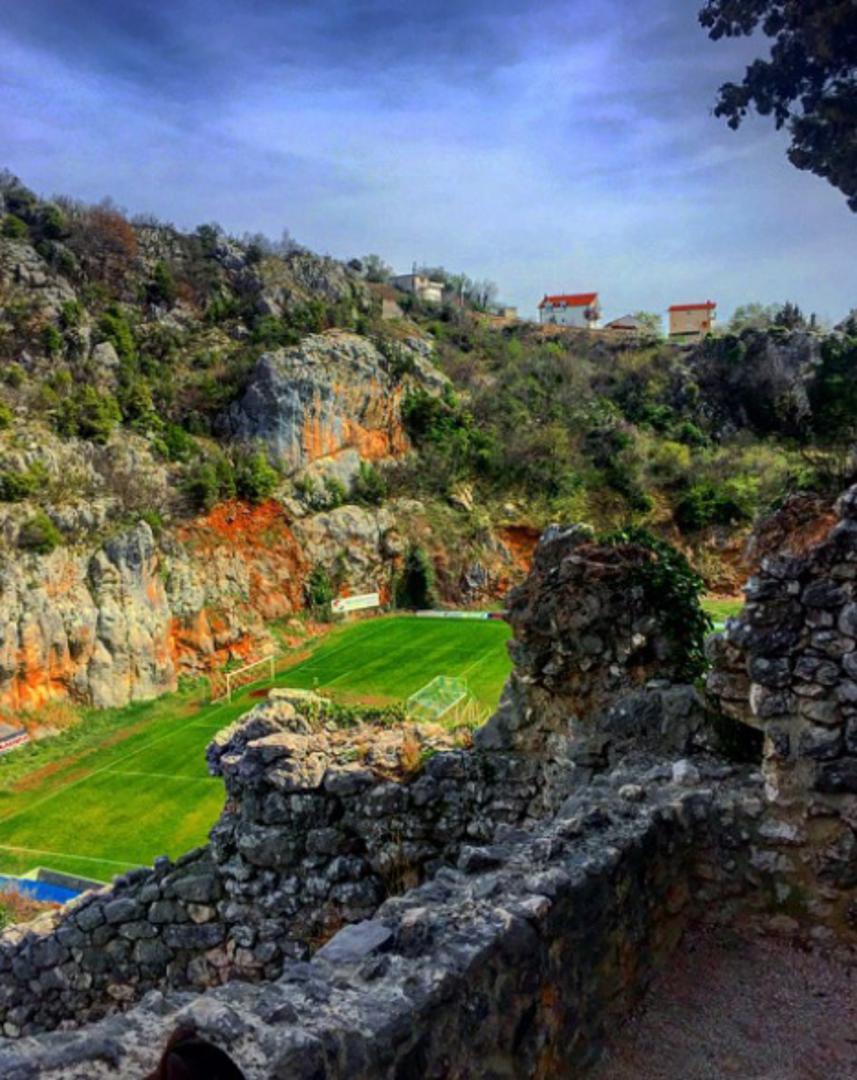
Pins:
x: 672, y: 588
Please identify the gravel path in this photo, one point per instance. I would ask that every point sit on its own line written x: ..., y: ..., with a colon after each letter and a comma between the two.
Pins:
x: 732, y: 1008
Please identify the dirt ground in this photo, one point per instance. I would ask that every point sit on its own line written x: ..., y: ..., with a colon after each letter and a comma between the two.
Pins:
x: 732, y: 1008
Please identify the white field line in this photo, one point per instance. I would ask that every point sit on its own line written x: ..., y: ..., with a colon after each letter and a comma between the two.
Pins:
x: 64, y: 855
x: 97, y: 772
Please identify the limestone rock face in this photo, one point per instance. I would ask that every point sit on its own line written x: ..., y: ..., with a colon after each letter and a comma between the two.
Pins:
x: 97, y: 630
x: 331, y: 392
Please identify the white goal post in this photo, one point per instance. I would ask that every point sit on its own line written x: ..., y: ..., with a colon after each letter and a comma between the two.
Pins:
x: 225, y: 683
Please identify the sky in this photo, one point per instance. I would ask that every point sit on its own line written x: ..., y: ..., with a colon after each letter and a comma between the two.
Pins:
x: 550, y: 147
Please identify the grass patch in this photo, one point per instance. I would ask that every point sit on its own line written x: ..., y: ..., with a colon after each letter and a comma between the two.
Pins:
x: 722, y: 609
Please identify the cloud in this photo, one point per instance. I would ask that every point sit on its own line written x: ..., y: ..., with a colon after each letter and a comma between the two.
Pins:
x: 567, y: 146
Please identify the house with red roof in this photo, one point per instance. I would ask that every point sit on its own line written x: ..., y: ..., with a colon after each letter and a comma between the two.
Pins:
x: 691, y: 322
x: 571, y: 309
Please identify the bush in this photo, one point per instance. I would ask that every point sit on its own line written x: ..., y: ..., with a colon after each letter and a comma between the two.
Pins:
x: 17, y: 486
x: 255, y: 478
x: 208, y: 482
x: 368, y: 485
x: 39, y: 535
x: 415, y: 587
x: 319, y: 592
x: 6, y: 415
x: 162, y: 288
x: 706, y: 504
x: 71, y: 314
x: 177, y: 444
x: 14, y: 228
x: 113, y: 326
x: 89, y: 414
x: 51, y: 339
x: 52, y: 223
x: 672, y: 588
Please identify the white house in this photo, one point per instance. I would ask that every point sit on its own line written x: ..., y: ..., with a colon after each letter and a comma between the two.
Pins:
x: 571, y: 309
x: 421, y: 286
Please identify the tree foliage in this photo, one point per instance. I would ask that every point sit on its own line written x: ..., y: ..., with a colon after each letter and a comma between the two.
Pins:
x: 808, y: 84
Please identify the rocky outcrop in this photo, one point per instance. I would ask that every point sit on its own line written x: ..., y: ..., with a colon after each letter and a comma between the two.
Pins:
x: 757, y: 380
x: 97, y: 630
x: 331, y: 392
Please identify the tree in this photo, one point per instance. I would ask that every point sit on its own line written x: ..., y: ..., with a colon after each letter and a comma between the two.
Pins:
x: 375, y: 269
x: 753, y: 316
x: 415, y: 588
x: 808, y: 84
x: 651, y: 321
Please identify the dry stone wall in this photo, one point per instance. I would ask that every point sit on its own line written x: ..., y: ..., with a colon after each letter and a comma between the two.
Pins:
x: 512, y: 962
x: 788, y: 667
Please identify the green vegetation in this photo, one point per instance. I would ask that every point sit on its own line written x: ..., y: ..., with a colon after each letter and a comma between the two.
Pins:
x: 39, y: 534
x: 126, y: 785
x: 415, y: 587
x: 672, y: 589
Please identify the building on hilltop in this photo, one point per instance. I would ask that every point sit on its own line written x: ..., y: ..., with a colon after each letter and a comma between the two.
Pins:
x: 571, y: 309
x: 691, y: 322
x: 504, y: 311
x: 628, y: 324
x: 421, y: 286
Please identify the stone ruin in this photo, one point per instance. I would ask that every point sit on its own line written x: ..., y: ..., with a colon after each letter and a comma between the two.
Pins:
x: 374, y: 902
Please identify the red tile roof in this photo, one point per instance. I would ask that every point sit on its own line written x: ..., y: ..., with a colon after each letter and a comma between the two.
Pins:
x: 584, y: 299
x: 709, y: 305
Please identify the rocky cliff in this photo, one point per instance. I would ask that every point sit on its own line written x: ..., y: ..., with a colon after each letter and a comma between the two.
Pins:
x: 330, y: 393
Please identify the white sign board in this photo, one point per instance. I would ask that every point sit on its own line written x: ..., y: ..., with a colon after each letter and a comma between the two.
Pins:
x: 356, y: 603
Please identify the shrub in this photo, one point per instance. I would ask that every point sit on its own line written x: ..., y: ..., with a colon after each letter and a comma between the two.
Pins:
x: 209, y: 481
x: 255, y: 478
x: 154, y: 520
x: 162, y: 288
x: 14, y: 228
x: 319, y: 592
x: 368, y: 485
x: 706, y: 504
x: 89, y: 414
x: 6, y: 415
x: 71, y: 314
x: 52, y: 222
x: 13, y: 375
x: 51, y: 339
x: 113, y: 326
x: 177, y: 444
x: 672, y: 588
x: 416, y: 587
x: 17, y: 486
x: 336, y: 492
x: 39, y: 535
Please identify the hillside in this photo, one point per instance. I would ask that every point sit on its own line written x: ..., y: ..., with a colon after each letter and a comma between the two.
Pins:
x: 200, y: 436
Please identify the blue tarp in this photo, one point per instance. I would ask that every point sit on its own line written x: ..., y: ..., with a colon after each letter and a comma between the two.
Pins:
x: 38, y: 890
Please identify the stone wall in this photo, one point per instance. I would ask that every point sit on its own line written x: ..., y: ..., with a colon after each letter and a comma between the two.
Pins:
x: 512, y: 962
x: 788, y: 667
x: 383, y: 903
x: 320, y: 826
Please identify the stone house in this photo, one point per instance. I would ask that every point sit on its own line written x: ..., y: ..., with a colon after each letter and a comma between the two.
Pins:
x: 691, y: 322
x: 571, y: 309
x: 421, y: 286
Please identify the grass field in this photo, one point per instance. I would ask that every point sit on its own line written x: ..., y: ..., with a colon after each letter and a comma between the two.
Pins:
x: 129, y: 784
x: 720, y: 610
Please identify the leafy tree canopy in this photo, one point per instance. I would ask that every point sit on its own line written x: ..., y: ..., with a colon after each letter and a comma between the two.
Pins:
x: 808, y: 83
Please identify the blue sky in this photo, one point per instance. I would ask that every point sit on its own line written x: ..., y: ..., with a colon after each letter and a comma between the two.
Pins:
x: 550, y: 147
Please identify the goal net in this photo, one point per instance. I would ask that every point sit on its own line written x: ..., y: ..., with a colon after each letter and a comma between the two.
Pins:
x: 225, y: 683
x: 446, y: 700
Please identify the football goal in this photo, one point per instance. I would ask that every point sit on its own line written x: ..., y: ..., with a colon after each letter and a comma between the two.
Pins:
x: 446, y: 700
x: 225, y: 683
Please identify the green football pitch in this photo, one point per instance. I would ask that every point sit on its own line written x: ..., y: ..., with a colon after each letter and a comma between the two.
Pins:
x: 129, y: 784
